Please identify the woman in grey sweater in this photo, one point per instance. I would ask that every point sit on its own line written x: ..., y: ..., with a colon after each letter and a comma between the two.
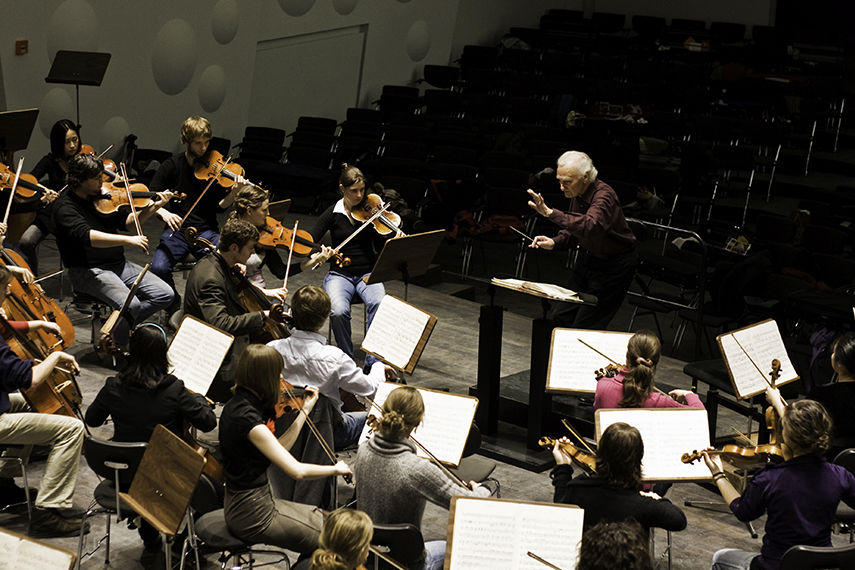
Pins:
x: 393, y: 483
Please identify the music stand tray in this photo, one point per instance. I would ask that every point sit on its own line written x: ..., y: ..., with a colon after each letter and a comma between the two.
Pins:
x: 78, y: 68
x: 16, y: 128
x: 405, y: 257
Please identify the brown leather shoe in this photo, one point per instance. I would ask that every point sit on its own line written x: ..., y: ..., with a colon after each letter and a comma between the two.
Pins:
x: 51, y: 523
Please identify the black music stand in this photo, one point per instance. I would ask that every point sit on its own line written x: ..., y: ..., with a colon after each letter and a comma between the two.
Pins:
x: 405, y: 257
x: 78, y: 68
x: 15, y: 129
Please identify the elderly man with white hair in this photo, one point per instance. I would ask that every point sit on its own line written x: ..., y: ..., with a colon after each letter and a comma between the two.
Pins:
x: 594, y: 221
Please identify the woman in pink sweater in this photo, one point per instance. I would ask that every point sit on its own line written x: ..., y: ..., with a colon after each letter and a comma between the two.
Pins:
x: 633, y: 386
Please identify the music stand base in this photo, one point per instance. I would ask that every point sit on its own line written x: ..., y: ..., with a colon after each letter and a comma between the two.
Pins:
x: 508, y: 444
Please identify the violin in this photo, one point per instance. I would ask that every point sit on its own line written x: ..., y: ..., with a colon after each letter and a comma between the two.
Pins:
x: 384, y: 223
x: 114, y: 195
x: 609, y: 371
x: 584, y: 459
x: 110, y: 172
x: 252, y: 299
x: 27, y: 187
x: 743, y: 457
x: 274, y: 234
x: 214, y: 166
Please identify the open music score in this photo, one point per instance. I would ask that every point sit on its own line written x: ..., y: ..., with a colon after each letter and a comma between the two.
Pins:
x: 399, y: 333
x: 486, y: 534
x: 762, y: 342
x: 572, y: 364
x: 667, y: 433
x: 20, y: 551
x: 545, y: 290
x: 196, y: 353
x: 446, y: 424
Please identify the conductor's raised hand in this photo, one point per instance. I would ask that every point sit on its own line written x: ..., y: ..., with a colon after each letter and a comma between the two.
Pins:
x: 538, y: 204
x: 542, y: 242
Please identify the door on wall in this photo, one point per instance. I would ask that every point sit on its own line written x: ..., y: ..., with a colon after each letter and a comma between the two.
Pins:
x: 315, y: 74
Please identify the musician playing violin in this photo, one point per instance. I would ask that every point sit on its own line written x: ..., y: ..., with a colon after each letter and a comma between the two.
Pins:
x: 800, y: 496
x: 64, y: 143
x: 614, y: 493
x: 18, y: 426
x: 252, y: 204
x: 342, y: 284
x: 145, y: 394
x: 177, y: 174
x: 92, y: 248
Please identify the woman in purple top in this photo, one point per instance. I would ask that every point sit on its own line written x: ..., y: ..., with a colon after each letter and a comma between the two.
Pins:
x: 799, y: 496
x: 633, y: 386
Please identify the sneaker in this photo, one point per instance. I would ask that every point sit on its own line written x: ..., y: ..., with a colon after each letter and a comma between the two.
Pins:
x: 51, y: 522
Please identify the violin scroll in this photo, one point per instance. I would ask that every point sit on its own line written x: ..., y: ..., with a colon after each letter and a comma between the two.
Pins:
x: 609, y: 371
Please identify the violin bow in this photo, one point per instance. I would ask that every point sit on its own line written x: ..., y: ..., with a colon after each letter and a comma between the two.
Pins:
x: 12, y: 193
x: 616, y: 363
x: 290, y: 253
x: 577, y: 436
x: 131, y: 201
x: 760, y: 372
x: 430, y: 455
x: 360, y: 228
x: 205, y: 191
x: 317, y: 433
x: 546, y: 563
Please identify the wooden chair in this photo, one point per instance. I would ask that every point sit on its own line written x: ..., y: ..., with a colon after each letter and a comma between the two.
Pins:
x: 164, y: 484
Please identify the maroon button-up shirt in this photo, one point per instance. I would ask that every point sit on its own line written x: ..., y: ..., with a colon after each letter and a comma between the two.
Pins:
x: 595, y: 220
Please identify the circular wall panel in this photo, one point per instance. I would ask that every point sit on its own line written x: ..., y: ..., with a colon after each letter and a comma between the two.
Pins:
x: 296, y: 7
x: 224, y: 21
x: 55, y: 105
x: 113, y: 133
x: 212, y: 88
x: 73, y: 26
x: 344, y: 7
x: 173, y: 58
x: 418, y: 40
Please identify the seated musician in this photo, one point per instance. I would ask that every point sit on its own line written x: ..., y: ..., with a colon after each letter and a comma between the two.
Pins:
x: 252, y: 205
x: 633, y: 386
x: 799, y: 496
x: 610, y: 545
x: 839, y: 396
x: 342, y: 284
x: 249, y: 448
x: 393, y: 484
x: 177, y: 174
x: 145, y: 394
x: 309, y: 360
x: 93, y: 250
x: 344, y: 541
x: 18, y: 426
x: 614, y: 493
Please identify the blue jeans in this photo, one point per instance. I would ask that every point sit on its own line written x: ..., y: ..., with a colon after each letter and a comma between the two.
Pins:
x: 173, y: 248
x: 435, y: 555
x: 732, y: 559
x: 112, y: 288
x: 347, y: 433
x: 341, y: 289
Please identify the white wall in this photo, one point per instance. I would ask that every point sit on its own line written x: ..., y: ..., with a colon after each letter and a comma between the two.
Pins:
x: 402, y: 35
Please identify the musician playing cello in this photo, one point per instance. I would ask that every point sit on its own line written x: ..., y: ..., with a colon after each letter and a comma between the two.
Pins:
x: 92, y: 248
x: 177, y: 174
x: 18, y: 426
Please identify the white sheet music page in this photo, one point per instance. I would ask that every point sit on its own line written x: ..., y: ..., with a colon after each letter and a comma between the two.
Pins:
x: 41, y: 557
x: 395, y: 331
x: 9, y: 547
x: 488, y: 534
x: 448, y: 418
x: 667, y: 433
x: 572, y: 364
x: 763, y: 343
x: 197, y: 352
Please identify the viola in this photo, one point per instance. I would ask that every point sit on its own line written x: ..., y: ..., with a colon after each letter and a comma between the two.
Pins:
x: 274, y: 234
x: 385, y: 223
x: 28, y: 187
x: 214, y: 166
x: 252, y: 299
x: 584, y: 459
x: 114, y: 195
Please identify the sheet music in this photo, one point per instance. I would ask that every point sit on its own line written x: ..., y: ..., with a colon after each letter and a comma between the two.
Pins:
x: 572, y: 364
x: 9, y: 547
x: 763, y: 343
x: 549, y: 290
x: 19, y: 552
x: 395, y: 331
x: 448, y: 418
x: 197, y: 352
x: 667, y: 433
x: 494, y: 533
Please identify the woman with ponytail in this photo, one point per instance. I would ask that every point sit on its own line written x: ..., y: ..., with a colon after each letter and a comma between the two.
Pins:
x: 633, y: 386
x: 800, y: 496
x: 393, y: 484
x: 344, y: 541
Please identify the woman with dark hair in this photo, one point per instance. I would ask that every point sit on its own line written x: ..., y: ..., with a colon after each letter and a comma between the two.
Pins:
x: 393, y: 484
x: 145, y: 394
x: 64, y: 143
x: 799, y: 496
x: 614, y: 492
x: 249, y: 448
x: 839, y: 396
x: 633, y: 386
x: 343, y: 283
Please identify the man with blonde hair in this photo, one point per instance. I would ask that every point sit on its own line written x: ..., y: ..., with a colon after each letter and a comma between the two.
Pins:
x: 595, y: 222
